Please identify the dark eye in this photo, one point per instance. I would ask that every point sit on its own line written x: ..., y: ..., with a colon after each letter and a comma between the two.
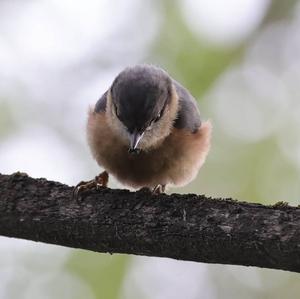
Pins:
x: 157, y: 118
x: 117, y: 112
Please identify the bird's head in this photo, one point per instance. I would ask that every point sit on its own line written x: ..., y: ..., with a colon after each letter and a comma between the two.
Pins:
x: 142, y: 105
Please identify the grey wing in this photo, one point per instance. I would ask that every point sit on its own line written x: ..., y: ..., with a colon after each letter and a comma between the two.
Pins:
x: 188, y: 116
x: 101, y: 103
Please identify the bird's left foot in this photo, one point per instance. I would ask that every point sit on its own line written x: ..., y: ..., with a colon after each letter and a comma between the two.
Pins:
x: 158, y: 189
x: 100, y: 180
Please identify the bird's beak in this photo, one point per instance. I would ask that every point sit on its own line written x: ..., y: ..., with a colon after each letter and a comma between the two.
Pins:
x: 135, y: 138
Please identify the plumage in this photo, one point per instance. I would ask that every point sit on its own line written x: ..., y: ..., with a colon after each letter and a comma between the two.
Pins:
x: 174, y: 142
x: 188, y: 116
x: 101, y: 104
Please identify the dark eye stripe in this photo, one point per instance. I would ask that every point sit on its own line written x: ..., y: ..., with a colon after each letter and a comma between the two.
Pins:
x: 160, y: 114
x: 117, y: 112
x: 157, y: 118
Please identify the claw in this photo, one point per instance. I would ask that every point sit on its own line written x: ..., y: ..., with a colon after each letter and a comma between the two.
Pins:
x: 158, y: 189
x: 99, y: 181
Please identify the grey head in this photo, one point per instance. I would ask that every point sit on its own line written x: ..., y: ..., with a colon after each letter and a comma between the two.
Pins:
x: 139, y: 95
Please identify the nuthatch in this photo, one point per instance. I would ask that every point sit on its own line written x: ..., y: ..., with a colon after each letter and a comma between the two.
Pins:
x: 146, y: 131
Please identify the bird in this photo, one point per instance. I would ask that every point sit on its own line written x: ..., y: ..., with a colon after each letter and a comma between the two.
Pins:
x: 146, y: 131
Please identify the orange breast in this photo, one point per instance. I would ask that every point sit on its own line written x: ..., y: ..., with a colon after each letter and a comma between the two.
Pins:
x: 176, y: 161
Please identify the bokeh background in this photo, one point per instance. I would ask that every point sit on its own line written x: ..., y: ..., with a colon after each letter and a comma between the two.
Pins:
x: 239, y: 58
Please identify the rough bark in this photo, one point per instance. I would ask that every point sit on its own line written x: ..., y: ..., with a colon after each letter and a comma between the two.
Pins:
x: 186, y: 227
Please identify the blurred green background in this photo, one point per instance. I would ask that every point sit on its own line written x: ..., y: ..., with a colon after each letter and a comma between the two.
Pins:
x: 240, y: 59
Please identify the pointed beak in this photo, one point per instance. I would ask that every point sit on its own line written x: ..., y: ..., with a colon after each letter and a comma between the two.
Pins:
x: 135, y: 138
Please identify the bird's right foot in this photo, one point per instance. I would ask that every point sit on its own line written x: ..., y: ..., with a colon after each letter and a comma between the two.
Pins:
x: 159, y: 189
x: 99, y: 181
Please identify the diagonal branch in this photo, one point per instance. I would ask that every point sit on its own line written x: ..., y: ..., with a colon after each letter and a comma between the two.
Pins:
x: 186, y: 227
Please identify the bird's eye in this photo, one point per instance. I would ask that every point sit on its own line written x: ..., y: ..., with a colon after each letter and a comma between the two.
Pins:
x: 117, y: 112
x: 156, y: 119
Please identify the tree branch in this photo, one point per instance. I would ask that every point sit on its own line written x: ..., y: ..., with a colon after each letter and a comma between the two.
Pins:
x: 185, y: 227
